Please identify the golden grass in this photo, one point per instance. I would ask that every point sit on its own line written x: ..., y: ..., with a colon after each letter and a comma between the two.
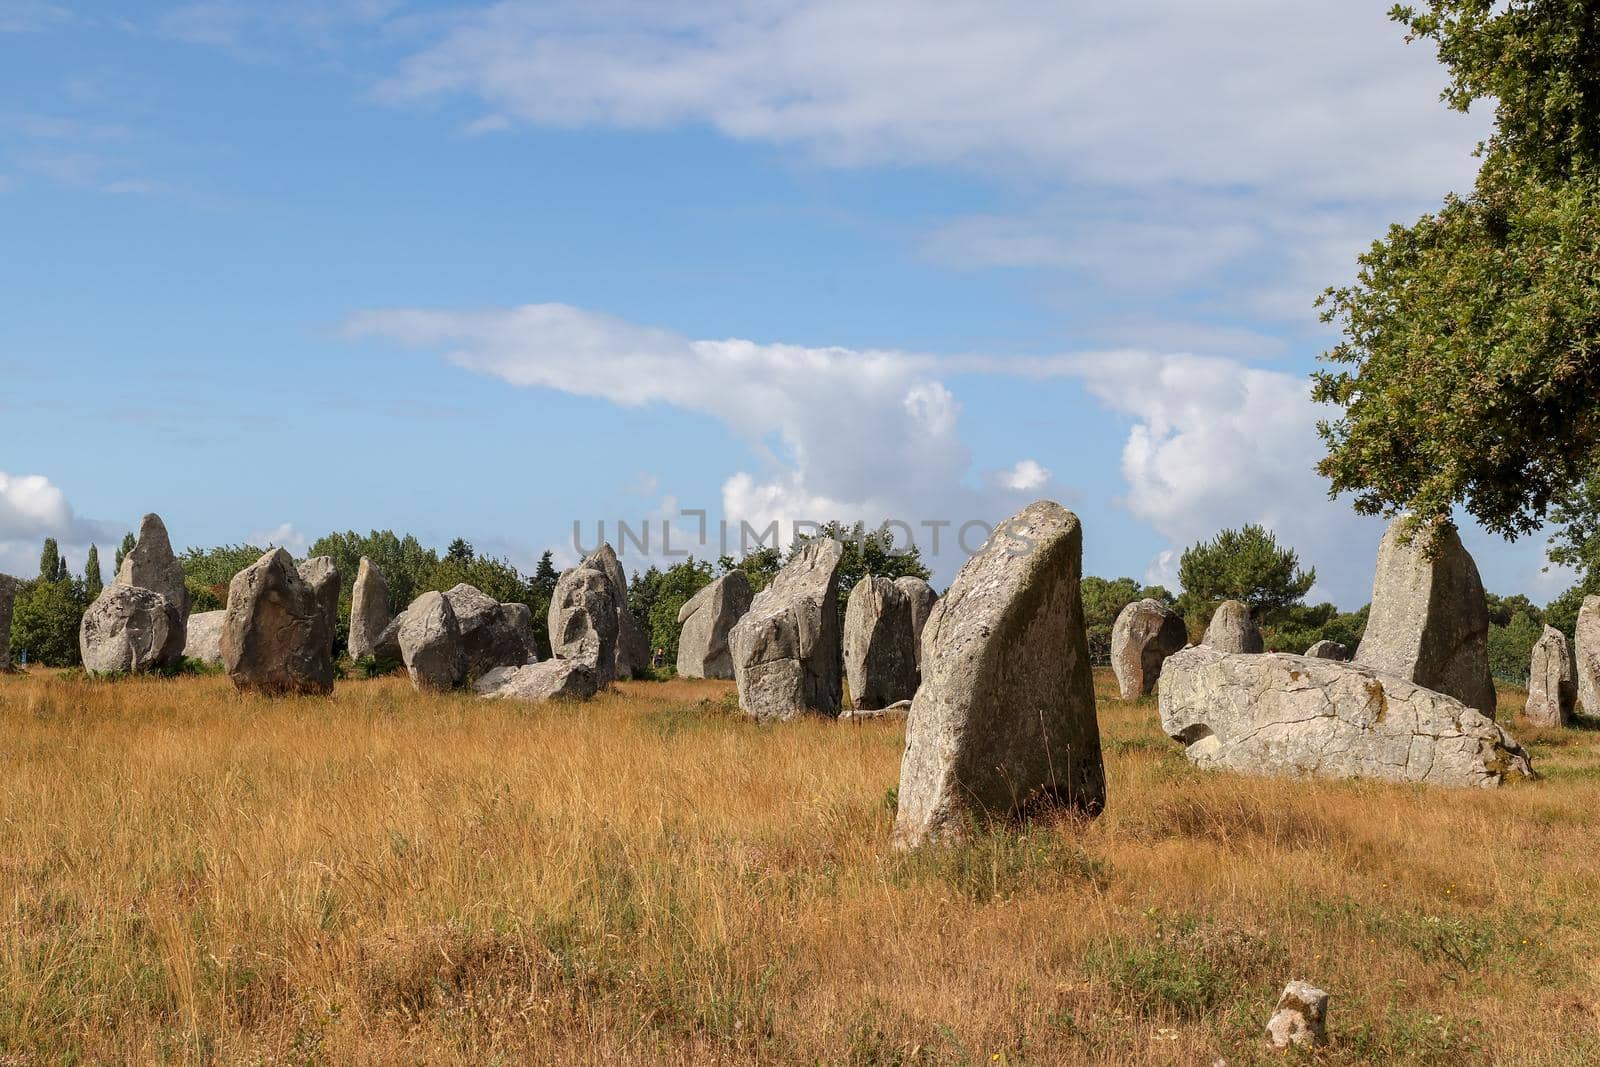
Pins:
x: 190, y: 875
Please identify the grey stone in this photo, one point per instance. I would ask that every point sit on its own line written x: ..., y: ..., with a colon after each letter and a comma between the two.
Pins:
x: 322, y: 575
x: 583, y: 621
x: 923, y: 598
x: 520, y: 618
x: 1552, y: 681
x: 203, y: 641
x: 1588, y: 650
x: 387, y: 646
x: 1004, y: 721
x: 151, y: 564
x: 1301, y: 1018
x: 880, y: 651
x: 369, y: 611
x: 898, y: 710
x: 633, y: 644
x: 128, y: 629
x: 488, y: 637
x: 1329, y: 650
x: 1429, y: 622
x: 706, y: 620
x: 277, y: 635
x: 1233, y: 629
x: 430, y: 644
x: 786, y: 647
x: 1278, y: 715
x: 556, y: 679
x: 8, y: 597
x: 1145, y: 634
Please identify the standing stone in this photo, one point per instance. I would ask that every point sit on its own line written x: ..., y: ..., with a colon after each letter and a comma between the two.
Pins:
x: 1145, y: 634
x: 520, y: 618
x: 923, y: 598
x: 1233, y: 630
x: 151, y: 564
x: 1429, y: 621
x: 1004, y: 721
x: 556, y: 679
x: 786, y: 648
x: 1301, y: 1018
x: 488, y: 637
x: 633, y: 644
x: 8, y: 597
x: 707, y: 618
x: 1278, y: 715
x: 203, y: 640
x: 322, y: 575
x: 128, y: 629
x: 1329, y: 650
x: 1552, y: 685
x: 1589, y: 656
x: 583, y: 621
x: 880, y: 654
x: 430, y: 644
x: 369, y: 610
x: 277, y: 635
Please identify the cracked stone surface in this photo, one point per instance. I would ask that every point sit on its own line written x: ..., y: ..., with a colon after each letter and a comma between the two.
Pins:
x: 880, y: 651
x: 1279, y: 715
x: 1552, y: 684
x: 1145, y: 634
x: 553, y: 679
x: 786, y: 649
x: 489, y: 636
x: 583, y: 620
x: 707, y: 618
x: 1301, y: 1018
x: 1430, y: 620
x: 130, y: 628
x: 1004, y: 720
x: 277, y: 636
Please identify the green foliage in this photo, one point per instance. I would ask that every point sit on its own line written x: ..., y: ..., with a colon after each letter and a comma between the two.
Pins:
x: 1511, y: 645
x: 656, y: 595
x: 405, y: 563
x: 123, y: 549
x: 1469, y: 371
x: 541, y: 590
x: 1562, y: 612
x: 1245, y: 564
x: 93, y: 582
x: 1103, y: 601
x: 207, y: 572
x: 1297, y: 628
x: 52, y: 565
x: 1184, y: 966
x: 759, y: 566
x: 44, y: 621
x: 865, y: 554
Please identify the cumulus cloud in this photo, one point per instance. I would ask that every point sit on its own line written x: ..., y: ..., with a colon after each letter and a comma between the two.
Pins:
x: 33, y: 508
x: 284, y: 536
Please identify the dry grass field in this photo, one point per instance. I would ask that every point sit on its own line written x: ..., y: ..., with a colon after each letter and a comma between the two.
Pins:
x: 188, y: 875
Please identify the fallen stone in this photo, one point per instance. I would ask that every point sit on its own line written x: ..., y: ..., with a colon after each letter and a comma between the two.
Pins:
x: 1279, y: 715
x: 430, y: 644
x: 923, y: 598
x: 1588, y: 649
x: 277, y: 634
x: 1329, y: 650
x: 1004, y: 721
x: 1552, y: 681
x: 369, y: 611
x: 706, y: 620
x: 1301, y: 1018
x: 1429, y: 622
x: 151, y: 564
x: 786, y: 647
x: 583, y: 621
x: 130, y: 629
x: 556, y: 679
x: 1145, y: 634
x: 894, y: 711
x: 880, y: 653
x: 203, y: 641
x: 1233, y: 629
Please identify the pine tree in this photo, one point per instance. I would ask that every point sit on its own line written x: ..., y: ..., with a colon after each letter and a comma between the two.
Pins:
x: 50, y: 560
x: 127, y: 546
x: 93, y: 582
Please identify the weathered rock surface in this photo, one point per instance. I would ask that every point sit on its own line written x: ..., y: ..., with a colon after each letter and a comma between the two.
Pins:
x: 1430, y: 620
x: 520, y: 618
x: 786, y: 647
x: 583, y: 621
x: 1145, y: 634
x: 880, y: 652
x: 1588, y: 655
x: 1301, y: 1018
x: 1552, y: 681
x: 1329, y: 650
x: 203, y: 640
x: 430, y: 644
x: 277, y: 635
x: 1005, y: 718
x: 489, y: 639
x: 8, y: 597
x: 322, y: 575
x: 707, y: 618
x: 633, y: 644
x: 1289, y: 716
x: 1233, y: 629
x: 369, y: 611
x: 897, y: 710
x: 387, y: 646
x: 923, y: 598
x: 556, y: 679
x: 130, y: 628
x: 152, y: 565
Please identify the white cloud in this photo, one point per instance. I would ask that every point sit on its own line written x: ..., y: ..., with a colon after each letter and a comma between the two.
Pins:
x: 1027, y: 475
x: 32, y: 508
x: 284, y: 536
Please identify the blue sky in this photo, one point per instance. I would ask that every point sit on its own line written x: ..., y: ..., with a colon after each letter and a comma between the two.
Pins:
x: 485, y: 270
